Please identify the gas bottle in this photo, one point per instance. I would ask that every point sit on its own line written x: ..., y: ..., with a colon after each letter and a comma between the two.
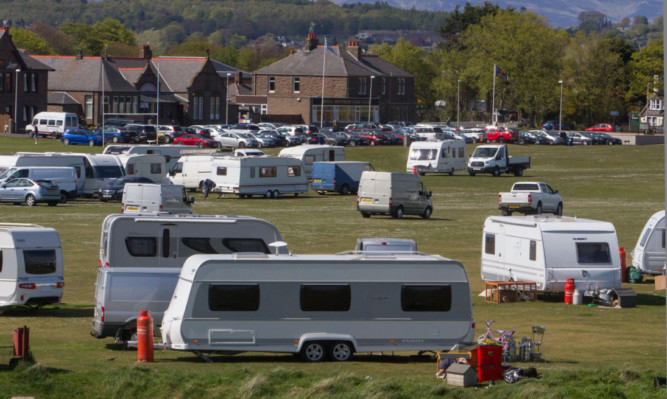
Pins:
x: 569, y: 290
x: 145, y: 336
x: 624, y: 263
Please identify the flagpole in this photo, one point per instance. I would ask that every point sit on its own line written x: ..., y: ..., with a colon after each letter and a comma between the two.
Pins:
x: 324, y: 63
x: 493, y: 100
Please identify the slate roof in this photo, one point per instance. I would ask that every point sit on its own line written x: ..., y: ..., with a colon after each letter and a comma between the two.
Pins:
x: 84, y: 74
x: 26, y: 60
x: 339, y: 63
x: 61, y: 98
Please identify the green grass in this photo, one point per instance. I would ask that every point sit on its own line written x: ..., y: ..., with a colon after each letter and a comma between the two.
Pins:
x: 591, y: 351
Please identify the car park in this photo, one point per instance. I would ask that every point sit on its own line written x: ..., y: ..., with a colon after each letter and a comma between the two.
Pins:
x: 144, y: 133
x: 264, y: 140
x: 280, y: 140
x: 233, y: 139
x: 114, y: 190
x: 196, y: 140
x: 545, y: 137
x: 374, y: 137
x: 30, y: 191
x: 476, y: 134
x: 81, y: 136
x: 602, y: 127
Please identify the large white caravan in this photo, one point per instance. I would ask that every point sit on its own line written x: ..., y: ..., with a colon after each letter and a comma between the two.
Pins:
x: 548, y: 250
x: 309, y: 153
x: 141, y: 257
x: 319, y: 305
x: 436, y: 157
x: 32, y: 265
x: 267, y: 176
x: 649, y: 253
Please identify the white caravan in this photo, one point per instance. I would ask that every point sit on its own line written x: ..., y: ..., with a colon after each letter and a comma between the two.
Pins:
x: 53, y: 124
x: 548, y: 250
x: 319, y: 305
x: 142, y: 255
x: 267, y: 176
x: 386, y: 245
x: 309, y: 153
x: 150, y: 166
x: 32, y: 265
x: 649, y: 253
x: 170, y: 152
x: 436, y: 157
x: 64, y: 176
x: 152, y: 198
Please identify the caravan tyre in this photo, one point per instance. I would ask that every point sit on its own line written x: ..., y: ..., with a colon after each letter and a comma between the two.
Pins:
x: 276, y: 193
x: 366, y: 215
x: 313, y: 352
x: 399, y: 213
x: 340, y: 351
x: 268, y: 194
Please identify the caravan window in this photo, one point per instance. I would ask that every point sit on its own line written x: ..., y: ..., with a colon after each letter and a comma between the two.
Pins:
x: 40, y: 261
x: 130, y: 168
x: 156, y: 168
x: 269, y: 171
x: 1, y: 258
x: 221, y: 171
x: 233, y: 297
x: 293, y: 171
x: 426, y: 298
x: 108, y: 171
x: 647, y: 233
x: 533, y: 250
x: 593, y: 252
x: 308, y: 159
x: 200, y: 245
x: 141, y: 246
x: 325, y: 298
x: 423, y: 154
x: 490, y: 244
x: 245, y: 245
x: 462, y: 152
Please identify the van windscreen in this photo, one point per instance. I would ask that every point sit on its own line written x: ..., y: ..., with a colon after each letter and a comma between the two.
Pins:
x: 39, y: 261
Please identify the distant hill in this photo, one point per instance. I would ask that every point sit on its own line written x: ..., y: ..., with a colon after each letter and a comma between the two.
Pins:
x: 560, y: 13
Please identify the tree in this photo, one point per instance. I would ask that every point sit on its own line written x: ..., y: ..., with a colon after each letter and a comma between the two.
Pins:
x: 111, y: 30
x: 57, y: 40
x: 644, y: 67
x: 458, y: 21
x: 83, y: 36
x: 593, y: 22
x: 30, y: 41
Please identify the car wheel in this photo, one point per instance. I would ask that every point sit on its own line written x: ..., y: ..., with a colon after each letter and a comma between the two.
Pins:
x: 471, y: 174
x: 114, y: 139
x: 505, y: 212
x: 30, y: 200
x: 241, y: 144
x: 63, y: 197
x: 200, y: 145
x: 66, y: 141
x: 268, y: 194
x: 538, y: 210
x: 501, y: 140
x: 313, y: 352
x: 372, y: 143
x: 352, y: 144
x: 427, y: 213
x: 559, y: 210
x: 518, y: 171
x: 91, y: 142
x: 366, y: 215
x: 345, y: 190
x: 399, y: 213
x: 341, y: 351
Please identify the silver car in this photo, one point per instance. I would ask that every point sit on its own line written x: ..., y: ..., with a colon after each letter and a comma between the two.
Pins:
x: 236, y: 140
x: 29, y: 191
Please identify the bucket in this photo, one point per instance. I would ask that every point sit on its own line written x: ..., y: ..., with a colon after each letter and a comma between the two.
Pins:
x: 577, y: 298
x: 634, y: 275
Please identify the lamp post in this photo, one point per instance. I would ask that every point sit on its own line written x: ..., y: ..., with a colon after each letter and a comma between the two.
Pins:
x: 227, y: 100
x: 560, y: 115
x: 16, y: 102
x: 370, y: 95
x: 458, y: 104
x: 647, y: 104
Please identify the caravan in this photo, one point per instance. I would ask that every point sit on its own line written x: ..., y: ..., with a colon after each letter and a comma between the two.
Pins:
x: 548, y: 250
x: 141, y: 256
x: 436, y: 157
x: 310, y: 153
x: 319, y: 306
x: 649, y: 253
x: 171, y: 152
x: 149, y: 166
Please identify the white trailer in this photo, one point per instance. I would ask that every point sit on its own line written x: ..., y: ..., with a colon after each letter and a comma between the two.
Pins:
x: 32, y: 265
x: 309, y: 153
x: 267, y: 176
x: 319, y: 305
x: 192, y: 170
x: 548, y: 250
x: 649, y: 253
x: 141, y: 256
x: 170, y: 152
x: 436, y: 157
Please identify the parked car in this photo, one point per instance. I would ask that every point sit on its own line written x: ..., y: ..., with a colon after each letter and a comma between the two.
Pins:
x: 264, y: 140
x: 352, y: 139
x: 114, y: 190
x: 602, y: 127
x: 526, y: 137
x: 580, y: 138
x: 604, y: 138
x: 81, y: 136
x: 392, y: 137
x: 115, y: 134
x: 231, y: 139
x: 476, y: 134
x: 374, y: 137
x: 196, y: 139
x: 334, y: 139
x: 30, y: 191
x: 279, y: 138
x: 145, y: 133
x: 545, y: 137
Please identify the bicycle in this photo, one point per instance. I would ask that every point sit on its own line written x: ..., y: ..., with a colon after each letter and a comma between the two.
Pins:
x: 504, y: 339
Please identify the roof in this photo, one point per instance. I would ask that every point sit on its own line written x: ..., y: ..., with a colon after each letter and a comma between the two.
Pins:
x: 458, y: 368
x: 339, y: 63
x: 61, y: 98
x: 71, y: 73
x: 23, y: 58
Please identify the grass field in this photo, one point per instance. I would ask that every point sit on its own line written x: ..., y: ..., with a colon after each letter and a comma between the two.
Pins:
x: 591, y: 351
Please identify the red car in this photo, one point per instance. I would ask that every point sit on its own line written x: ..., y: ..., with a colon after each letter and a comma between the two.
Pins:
x: 195, y: 139
x: 602, y: 127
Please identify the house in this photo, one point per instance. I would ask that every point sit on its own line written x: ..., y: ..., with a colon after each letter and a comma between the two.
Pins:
x: 23, y: 85
x: 653, y: 113
x: 350, y: 85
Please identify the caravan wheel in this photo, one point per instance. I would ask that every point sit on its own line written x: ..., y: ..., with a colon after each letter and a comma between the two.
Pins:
x: 268, y: 194
x: 340, y: 351
x: 276, y: 193
x: 313, y: 352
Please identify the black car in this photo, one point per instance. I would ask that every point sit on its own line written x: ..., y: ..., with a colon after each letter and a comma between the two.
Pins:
x: 114, y: 190
x: 144, y: 133
x: 526, y: 138
x: 605, y: 139
x: 115, y: 134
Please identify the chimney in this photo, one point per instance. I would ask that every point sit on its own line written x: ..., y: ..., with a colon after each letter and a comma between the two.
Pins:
x: 79, y: 55
x: 146, y: 52
x: 354, y: 49
x: 311, y: 42
x: 238, y: 77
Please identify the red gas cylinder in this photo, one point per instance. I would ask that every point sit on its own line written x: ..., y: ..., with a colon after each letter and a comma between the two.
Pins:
x: 414, y: 170
x: 145, y: 336
x: 624, y: 263
x: 569, y: 290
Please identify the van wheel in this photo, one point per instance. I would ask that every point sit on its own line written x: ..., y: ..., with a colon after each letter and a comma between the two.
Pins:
x: 345, y: 190
x: 427, y: 213
x: 559, y: 210
x: 399, y: 213
x: 268, y: 194
x: 30, y: 200
x: 66, y: 141
x: 340, y: 351
x: 63, y: 197
x: 496, y: 172
x: 313, y: 352
x: 471, y: 174
x: 366, y: 215
x: 91, y: 142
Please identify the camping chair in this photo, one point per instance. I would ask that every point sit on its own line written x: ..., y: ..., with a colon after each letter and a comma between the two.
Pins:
x: 538, y: 334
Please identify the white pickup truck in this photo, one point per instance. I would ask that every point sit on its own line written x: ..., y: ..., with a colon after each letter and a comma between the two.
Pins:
x: 496, y: 160
x: 530, y: 197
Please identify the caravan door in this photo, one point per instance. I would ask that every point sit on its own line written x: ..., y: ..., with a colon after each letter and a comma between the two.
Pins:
x: 649, y: 254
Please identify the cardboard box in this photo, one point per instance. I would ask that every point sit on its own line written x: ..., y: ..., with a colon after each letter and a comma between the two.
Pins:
x: 660, y: 283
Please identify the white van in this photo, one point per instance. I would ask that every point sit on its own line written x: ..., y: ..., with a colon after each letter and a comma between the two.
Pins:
x: 548, y: 250
x: 141, y: 257
x: 319, y: 306
x: 53, y: 124
x: 153, y: 198
x: 446, y: 156
x: 192, y: 170
x: 309, y: 153
x: 267, y: 176
x: 32, y: 265
x: 649, y: 253
x: 393, y: 193
x: 63, y: 176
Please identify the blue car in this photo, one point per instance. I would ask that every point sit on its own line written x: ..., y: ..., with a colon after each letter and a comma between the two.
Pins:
x: 114, y: 134
x: 81, y: 136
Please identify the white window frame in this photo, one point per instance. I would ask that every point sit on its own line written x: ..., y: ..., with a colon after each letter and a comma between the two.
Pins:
x: 296, y: 84
x: 272, y: 84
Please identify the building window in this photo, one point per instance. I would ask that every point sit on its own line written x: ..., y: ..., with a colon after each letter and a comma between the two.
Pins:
x: 362, y: 85
x: 296, y: 85
x: 26, y: 82
x: 115, y: 104
x: 26, y: 111
x: 106, y: 104
x: 8, y: 82
x: 215, y: 108
x: 89, y: 107
x: 384, y: 86
x: 34, y: 82
x: 272, y: 84
x: 233, y: 297
x: 426, y: 298
x: 401, y: 86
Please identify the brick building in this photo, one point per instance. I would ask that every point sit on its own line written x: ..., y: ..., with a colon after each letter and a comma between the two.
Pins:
x: 353, y: 84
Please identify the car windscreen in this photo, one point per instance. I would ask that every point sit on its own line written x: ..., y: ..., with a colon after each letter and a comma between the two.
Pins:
x: 482, y: 152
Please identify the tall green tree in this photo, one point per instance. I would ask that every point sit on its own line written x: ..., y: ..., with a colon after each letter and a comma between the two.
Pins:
x: 457, y: 22
x: 645, y: 66
x: 30, y: 41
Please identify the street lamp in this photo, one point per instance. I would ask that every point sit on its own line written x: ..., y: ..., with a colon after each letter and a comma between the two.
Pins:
x: 458, y: 104
x: 560, y: 117
x: 16, y: 102
x: 227, y: 100
x: 647, y: 88
x: 370, y: 95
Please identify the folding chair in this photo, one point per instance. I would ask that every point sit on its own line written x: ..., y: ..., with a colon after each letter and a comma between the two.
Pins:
x: 537, y: 352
